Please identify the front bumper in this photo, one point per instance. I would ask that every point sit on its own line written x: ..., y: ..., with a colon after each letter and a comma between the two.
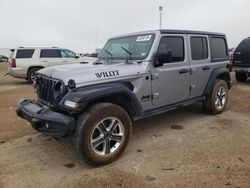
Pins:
x: 44, y: 120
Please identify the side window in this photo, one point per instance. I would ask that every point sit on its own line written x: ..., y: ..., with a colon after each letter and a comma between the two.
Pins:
x: 67, y: 54
x: 25, y: 53
x: 50, y: 53
x: 199, y: 48
x: 218, y: 49
x: 173, y: 44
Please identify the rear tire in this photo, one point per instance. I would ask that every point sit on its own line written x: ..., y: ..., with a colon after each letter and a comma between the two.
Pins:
x: 31, y: 74
x: 102, y: 133
x: 241, y: 76
x: 216, y: 102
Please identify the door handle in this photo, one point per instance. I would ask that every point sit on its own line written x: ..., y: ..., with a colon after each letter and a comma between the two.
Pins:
x: 45, y: 61
x: 182, y: 71
x: 206, y: 68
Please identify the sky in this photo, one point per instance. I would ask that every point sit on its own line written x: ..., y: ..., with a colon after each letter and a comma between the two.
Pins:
x: 83, y: 25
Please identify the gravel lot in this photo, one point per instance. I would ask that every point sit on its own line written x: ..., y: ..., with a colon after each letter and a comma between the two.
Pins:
x: 182, y: 148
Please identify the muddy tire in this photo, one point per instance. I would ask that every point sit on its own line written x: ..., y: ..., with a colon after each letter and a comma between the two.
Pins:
x: 216, y: 102
x: 31, y: 74
x: 241, y: 76
x: 102, y: 133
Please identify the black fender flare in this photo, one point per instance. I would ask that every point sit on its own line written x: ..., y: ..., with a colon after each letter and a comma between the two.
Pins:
x: 219, y: 73
x: 108, y: 92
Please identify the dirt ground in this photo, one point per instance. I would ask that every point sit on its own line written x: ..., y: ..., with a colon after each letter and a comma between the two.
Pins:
x: 181, y: 148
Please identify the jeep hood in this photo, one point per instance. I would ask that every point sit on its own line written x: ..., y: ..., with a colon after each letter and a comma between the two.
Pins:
x: 88, y: 74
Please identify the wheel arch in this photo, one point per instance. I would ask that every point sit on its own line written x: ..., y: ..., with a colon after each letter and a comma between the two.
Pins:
x: 221, y: 74
x: 120, y: 94
x: 34, y: 67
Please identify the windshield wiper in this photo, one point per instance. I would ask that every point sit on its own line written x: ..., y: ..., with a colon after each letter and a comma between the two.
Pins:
x: 109, y: 54
x: 127, y: 52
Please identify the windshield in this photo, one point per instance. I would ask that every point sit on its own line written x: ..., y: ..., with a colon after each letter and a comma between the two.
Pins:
x: 134, y: 47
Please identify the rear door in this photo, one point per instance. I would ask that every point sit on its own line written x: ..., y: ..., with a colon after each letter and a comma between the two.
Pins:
x: 171, y: 82
x: 50, y: 57
x: 200, y: 63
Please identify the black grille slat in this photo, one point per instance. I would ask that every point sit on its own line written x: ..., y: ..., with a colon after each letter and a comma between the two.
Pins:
x: 50, y: 91
x: 46, y: 90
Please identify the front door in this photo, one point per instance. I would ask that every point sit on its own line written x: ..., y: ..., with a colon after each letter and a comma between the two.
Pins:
x: 69, y: 57
x: 171, y: 81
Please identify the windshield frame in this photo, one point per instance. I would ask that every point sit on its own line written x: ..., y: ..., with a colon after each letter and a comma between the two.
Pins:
x: 104, y: 56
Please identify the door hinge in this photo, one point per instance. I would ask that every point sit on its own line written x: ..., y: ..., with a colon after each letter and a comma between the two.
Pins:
x: 155, y: 96
x: 192, y: 87
x: 192, y: 71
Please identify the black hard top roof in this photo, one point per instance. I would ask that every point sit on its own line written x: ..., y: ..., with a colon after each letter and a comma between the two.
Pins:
x: 172, y: 31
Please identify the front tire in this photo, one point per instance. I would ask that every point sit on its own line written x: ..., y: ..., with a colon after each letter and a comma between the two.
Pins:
x: 102, y: 133
x: 241, y: 76
x: 216, y: 102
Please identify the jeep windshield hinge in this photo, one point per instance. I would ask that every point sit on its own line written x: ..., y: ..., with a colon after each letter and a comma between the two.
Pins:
x: 154, y: 76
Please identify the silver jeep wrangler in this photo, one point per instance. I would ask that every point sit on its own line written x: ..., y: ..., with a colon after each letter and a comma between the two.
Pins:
x: 136, y: 76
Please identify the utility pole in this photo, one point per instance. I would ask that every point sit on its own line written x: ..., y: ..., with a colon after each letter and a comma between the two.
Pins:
x: 96, y: 39
x: 160, y: 9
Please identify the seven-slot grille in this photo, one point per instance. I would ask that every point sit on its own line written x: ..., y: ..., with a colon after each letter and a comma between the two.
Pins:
x: 45, y: 89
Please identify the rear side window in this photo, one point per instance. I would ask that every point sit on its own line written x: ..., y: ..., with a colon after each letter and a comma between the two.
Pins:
x: 175, y: 45
x: 199, y: 48
x: 244, y: 46
x: 219, y: 49
x: 50, y: 53
x: 25, y: 53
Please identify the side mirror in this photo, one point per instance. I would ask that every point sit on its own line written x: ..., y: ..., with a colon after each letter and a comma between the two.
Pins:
x: 163, y: 57
x: 77, y: 56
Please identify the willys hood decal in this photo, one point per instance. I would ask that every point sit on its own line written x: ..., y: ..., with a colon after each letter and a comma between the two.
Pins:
x: 86, y: 74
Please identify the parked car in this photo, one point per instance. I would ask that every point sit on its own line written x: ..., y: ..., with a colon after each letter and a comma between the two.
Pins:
x: 136, y: 76
x: 241, y: 61
x: 25, y: 62
x: 3, y: 58
x: 92, y: 55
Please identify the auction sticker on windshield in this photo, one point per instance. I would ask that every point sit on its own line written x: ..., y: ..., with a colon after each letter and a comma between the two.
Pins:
x: 143, y: 38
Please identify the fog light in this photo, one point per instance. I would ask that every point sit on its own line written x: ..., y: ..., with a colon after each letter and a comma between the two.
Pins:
x: 71, y: 104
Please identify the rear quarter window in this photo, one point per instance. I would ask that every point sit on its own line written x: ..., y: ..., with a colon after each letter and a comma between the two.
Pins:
x: 25, y: 53
x: 219, y: 51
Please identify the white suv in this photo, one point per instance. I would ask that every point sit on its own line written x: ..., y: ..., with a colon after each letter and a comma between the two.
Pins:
x: 25, y: 62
